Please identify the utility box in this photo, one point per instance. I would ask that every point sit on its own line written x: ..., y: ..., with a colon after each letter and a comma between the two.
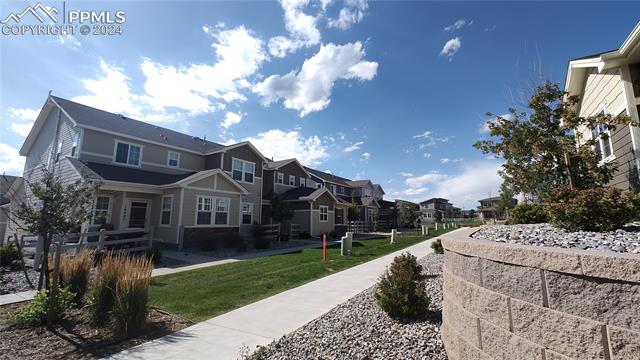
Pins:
x: 346, y: 244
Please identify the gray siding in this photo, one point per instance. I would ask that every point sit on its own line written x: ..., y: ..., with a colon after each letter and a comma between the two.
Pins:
x: 623, y: 151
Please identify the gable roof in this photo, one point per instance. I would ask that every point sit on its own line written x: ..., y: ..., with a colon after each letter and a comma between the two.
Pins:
x: 127, y: 174
x: 328, y: 177
x: 306, y: 193
x: 274, y: 165
x: 358, y: 183
x: 89, y: 117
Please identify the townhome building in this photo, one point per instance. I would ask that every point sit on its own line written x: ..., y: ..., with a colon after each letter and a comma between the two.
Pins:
x: 609, y: 83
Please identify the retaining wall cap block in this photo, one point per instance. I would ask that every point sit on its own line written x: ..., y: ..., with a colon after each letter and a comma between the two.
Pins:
x: 624, y: 267
x: 625, y: 344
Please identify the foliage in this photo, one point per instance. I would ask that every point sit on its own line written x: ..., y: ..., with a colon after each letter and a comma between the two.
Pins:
x: 507, y: 201
x: 260, y: 241
x: 54, y: 210
x: 279, y: 210
x: 75, y: 272
x: 539, y: 147
x: 102, y: 294
x: 304, y: 235
x: 130, y: 310
x: 35, y: 312
x: 401, y: 291
x: 353, y: 213
x: 242, y: 245
x: 409, y: 214
x: 528, y: 213
x: 436, y: 245
x: 597, y: 209
x: 334, y: 234
x: 437, y: 216
x: 9, y: 255
x: 154, y: 253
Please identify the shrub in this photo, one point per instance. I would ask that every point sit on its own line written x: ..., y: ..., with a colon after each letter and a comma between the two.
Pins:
x: 436, y: 245
x: 36, y: 311
x: 9, y: 255
x: 102, y: 295
x: 154, y: 253
x: 334, y: 235
x: 528, y: 213
x: 260, y: 241
x: 242, y: 245
x: 129, y: 314
x: 74, y: 273
x: 401, y: 291
x: 304, y: 235
x: 596, y: 209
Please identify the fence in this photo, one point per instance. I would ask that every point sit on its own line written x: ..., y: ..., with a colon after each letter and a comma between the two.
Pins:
x: 272, y: 230
x: 295, y: 231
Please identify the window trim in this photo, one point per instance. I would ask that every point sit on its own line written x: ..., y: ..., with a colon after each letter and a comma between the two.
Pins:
x: 279, y: 178
x: 213, y: 211
x: 75, y: 141
x: 303, y: 182
x: 599, y: 146
x: 58, y: 151
x: 320, y: 208
x: 169, y: 153
x: 292, y: 179
x: 334, y: 189
x: 243, y: 171
x: 162, y: 210
x: 115, y: 152
x: 242, y: 213
x: 93, y: 210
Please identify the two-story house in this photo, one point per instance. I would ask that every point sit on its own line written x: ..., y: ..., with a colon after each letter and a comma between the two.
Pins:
x: 609, y: 83
x: 430, y: 207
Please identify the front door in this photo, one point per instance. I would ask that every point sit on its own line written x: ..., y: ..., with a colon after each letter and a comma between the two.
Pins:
x: 138, y: 213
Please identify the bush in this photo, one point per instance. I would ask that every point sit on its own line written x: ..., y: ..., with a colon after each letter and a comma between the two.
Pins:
x: 74, y: 273
x: 260, y: 241
x: 242, y: 245
x: 36, y: 311
x: 102, y: 295
x: 154, y: 253
x: 129, y: 314
x: 596, y: 209
x: 528, y: 213
x: 304, y: 235
x: 9, y: 256
x: 401, y: 291
x: 436, y: 245
x: 334, y: 235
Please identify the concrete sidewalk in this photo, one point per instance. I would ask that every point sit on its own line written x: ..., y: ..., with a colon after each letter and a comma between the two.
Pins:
x: 224, y: 336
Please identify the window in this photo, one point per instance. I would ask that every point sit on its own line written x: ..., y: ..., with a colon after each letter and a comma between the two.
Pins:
x: 602, y: 138
x: 333, y: 189
x: 292, y: 180
x: 59, y: 151
x: 318, y: 186
x: 634, y: 70
x: 165, y: 210
x: 247, y: 213
x: 339, y: 216
x: 173, y: 159
x: 222, y: 211
x: 74, y: 144
x: 100, y: 210
x: 303, y: 182
x: 429, y: 215
x: 203, y: 211
x: 243, y: 170
x: 128, y: 154
x: 49, y: 155
x: 280, y: 179
x: 324, y: 213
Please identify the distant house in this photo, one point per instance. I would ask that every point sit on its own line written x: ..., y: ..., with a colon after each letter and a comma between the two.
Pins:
x: 7, y: 183
x: 609, y: 83
x: 488, y: 209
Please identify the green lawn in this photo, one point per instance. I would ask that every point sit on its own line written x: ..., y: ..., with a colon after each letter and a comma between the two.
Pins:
x: 203, y: 293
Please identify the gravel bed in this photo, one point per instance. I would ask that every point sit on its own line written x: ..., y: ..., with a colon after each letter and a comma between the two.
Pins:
x: 358, y: 329
x: 13, y: 281
x: 621, y: 240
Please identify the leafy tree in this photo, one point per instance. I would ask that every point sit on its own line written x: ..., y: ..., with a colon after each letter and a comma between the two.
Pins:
x: 437, y: 216
x: 279, y: 211
x: 507, y: 201
x: 539, y: 146
x: 472, y: 214
x: 409, y: 214
x: 394, y: 215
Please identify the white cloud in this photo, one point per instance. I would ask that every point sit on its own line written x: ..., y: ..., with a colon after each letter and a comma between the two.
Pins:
x: 406, y: 174
x: 301, y: 27
x: 23, y: 119
x: 451, y: 47
x: 427, y: 139
x: 310, y: 89
x: 459, y: 24
x: 353, y: 147
x: 422, y: 180
x: 278, y: 144
x: 365, y: 156
x: 11, y: 162
x: 69, y: 41
x: 231, y: 119
x: 351, y: 13
x: 446, y: 160
x: 484, y: 126
x: 426, y: 155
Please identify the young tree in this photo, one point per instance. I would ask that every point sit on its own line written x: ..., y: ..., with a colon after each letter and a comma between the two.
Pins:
x: 540, y: 146
x: 437, y: 216
x: 279, y: 211
x: 409, y: 214
x: 507, y: 201
x: 353, y: 213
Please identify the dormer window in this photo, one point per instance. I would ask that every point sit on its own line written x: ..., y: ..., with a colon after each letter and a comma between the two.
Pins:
x: 129, y: 154
x: 173, y: 159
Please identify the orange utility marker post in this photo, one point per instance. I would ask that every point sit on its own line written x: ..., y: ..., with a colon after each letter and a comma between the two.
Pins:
x: 324, y: 247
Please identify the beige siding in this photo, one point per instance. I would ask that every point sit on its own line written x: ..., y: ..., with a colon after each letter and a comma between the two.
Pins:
x: 154, y: 157
x: 624, y: 157
x: 301, y: 217
x: 189, y: 207
x: 168, y: 234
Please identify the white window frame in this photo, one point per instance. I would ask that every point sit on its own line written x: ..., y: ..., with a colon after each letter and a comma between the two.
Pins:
x: 318, y: 185
x: 280, y: 178
x: 210, y: 211
x: 74, y: 144
x: 292, y: 180
x: 58, y: 151
x: 243, y: 170
x: 242, y: 213
x: 177, y: 159
x: 326, y: 214
x: 115, y: 152
x: 600, y: 142
x: 303, y: 182
x: 93, y: 210
x: 333, y: 189
x: 213, y: 210
x: 162, y: 210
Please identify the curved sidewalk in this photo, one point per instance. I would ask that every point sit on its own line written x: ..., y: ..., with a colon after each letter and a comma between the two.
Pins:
x: 225, y: 336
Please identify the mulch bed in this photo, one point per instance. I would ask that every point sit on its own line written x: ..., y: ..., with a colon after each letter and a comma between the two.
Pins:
x: 75, y: 339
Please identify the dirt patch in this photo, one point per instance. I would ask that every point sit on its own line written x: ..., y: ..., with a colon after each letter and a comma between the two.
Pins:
x: 75, y: 339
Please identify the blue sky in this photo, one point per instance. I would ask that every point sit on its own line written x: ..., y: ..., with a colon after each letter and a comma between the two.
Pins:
x: 392, y: 91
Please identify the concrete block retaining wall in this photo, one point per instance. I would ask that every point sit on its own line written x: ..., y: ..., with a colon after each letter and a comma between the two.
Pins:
x: 504, y: 301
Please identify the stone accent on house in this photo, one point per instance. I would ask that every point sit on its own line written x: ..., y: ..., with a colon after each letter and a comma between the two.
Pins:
x: 505, y: 301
